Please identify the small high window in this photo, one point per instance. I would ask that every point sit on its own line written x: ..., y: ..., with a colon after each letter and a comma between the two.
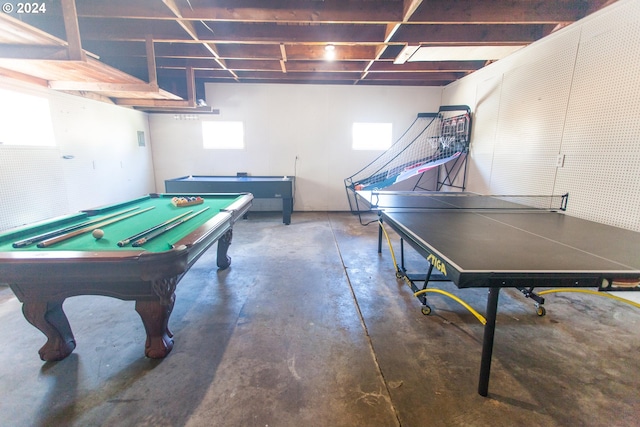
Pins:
x: 372, y: 136
x: 25, y: 120
x: 223, y: 135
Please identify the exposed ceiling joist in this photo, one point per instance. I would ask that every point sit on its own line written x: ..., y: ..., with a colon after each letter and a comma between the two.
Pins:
x: 175, y: 46
x: 72, y: 30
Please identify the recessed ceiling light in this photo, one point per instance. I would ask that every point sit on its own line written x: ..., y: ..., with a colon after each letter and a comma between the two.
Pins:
x: 329, y: 52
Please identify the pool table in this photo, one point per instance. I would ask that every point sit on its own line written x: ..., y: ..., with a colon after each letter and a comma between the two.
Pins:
x: 42, y: 278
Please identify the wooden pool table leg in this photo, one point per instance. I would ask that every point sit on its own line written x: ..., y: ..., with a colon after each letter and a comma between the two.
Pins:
x: 155, y: 315
x: 49, y: 317
x: 224, y: 260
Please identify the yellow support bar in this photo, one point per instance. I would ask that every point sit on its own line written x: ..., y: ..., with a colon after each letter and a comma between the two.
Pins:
x: 478, y: 316
x: 393, y: 256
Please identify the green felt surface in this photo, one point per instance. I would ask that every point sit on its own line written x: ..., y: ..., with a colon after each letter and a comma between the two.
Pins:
x: 163, y: 210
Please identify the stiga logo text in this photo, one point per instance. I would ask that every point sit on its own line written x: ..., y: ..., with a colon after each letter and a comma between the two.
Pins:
x: 439, y: 265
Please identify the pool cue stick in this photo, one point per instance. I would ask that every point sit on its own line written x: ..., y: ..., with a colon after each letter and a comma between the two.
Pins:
x: 54, y: 233
x: 54, y: 240
x: 167, y: 228
x: 128, y: 240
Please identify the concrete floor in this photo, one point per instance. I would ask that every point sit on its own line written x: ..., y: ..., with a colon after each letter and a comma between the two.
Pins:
x: 309, y: 327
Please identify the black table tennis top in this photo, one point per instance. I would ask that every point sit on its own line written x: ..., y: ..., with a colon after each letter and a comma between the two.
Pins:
x: 483, y: 243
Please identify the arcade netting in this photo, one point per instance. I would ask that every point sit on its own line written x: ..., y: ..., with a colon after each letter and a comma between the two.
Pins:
x: 429, y: 155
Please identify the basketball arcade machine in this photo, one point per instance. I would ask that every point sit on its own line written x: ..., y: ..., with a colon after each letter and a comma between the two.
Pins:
x: 429, y: 156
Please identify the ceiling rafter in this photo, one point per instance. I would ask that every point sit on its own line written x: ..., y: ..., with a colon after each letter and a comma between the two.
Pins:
x: 158, y: 54
x: 190, y: 29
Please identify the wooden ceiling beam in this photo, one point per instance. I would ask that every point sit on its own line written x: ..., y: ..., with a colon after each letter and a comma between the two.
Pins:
x: 283, y: 60
x: 297, y: 66
x: 165, y: 51
x: 151, y: 62
x: 325, y: 66
x: 414, y: 75
x: 251, y: 51
x: 312, y: 75
x: 420, y: 82
x: 294, y: 66
x: 23, y: 77
x: 178, y: 73
x: 102, y: 86
x: 409, y: 7
x: 501, y: 12
x: 34, y: 52
x: 152, y: 103
x: 343, y: 34
x: 258, y: 41
x: 179, y: 110
x: 187, y: 26
x: 72, y: 30
x: 15, y: 31
x: 296, y: 11
x: 437, y: 66
x: 234, y: 32
x: 302, y: 52
x: 191, y: 87
x: 138, y: 49
x: 190, y: 29
x: 365, y: 11
x: 253, y: 11
x: 120, y: 9
x: 469, y: 34
x: 183, y: 63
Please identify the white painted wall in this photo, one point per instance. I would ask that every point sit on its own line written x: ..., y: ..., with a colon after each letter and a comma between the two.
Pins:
x: 310, y: 123
x: 107, y: 165
x: 575, y: 93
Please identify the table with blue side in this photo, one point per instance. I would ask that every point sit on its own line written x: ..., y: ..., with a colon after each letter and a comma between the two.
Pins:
x: 262, y: 187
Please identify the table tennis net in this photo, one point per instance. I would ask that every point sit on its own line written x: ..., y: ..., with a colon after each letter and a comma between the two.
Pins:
x: 417, y: 200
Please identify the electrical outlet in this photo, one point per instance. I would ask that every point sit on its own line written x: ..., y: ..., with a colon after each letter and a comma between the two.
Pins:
x: 560, y: 161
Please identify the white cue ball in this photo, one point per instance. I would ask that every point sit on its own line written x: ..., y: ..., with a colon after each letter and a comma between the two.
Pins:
x: 98, y: 234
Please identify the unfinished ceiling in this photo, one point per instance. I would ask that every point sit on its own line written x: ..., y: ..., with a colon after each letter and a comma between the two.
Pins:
x: 157, y: 54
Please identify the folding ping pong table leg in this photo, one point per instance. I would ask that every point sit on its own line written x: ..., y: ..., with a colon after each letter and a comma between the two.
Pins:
x: 528, y: 293
x: 487, y: 341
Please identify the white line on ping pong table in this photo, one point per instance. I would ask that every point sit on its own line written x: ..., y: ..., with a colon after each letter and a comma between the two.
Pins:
x: 560, y: 243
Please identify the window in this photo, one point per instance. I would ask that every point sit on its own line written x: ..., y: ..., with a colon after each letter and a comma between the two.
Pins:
x: 223, y: 135
x: 371, y: 136
x: 25, y: 120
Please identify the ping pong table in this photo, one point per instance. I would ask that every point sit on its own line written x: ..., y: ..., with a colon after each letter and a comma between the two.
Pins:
x: 495, y: 242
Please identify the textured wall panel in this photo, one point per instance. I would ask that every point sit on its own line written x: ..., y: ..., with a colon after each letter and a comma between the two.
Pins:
x: 533, y: 105
x: 32, y: 186
x: 483, y: 136
x: 104, y: 162
x: 601, y: 141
